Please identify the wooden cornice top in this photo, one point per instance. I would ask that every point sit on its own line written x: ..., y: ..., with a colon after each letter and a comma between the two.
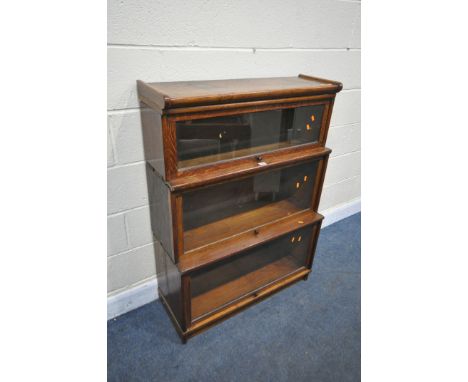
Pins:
x: 168, y: 95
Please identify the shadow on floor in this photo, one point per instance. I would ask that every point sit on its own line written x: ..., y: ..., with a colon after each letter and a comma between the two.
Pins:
x: 308, y: 332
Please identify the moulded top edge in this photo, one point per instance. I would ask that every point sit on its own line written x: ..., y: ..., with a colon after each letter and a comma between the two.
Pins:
x: 166, y: 95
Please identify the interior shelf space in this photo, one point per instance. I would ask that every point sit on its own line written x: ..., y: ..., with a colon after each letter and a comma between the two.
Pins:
x: 210, y: 292
x: 237, y: 224
x: 227, y: 209
x: 218, y: 284
x: 230, y: 246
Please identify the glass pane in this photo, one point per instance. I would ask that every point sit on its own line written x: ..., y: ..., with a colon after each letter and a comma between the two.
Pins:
x: 216, y: 212
x: 212, y: 140
x: 219, y: 284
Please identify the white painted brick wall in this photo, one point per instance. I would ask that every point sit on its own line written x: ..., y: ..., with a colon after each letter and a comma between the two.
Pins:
x: 344, y: 139
x: 241, y: 23
x: 126, y: 187
x: 155, y: 40
x: 117, y: 240
x: 341, y: 192
x: 125, y: 130
x: 347, y: 108
x: 139, y: 226
x: 131, y: 267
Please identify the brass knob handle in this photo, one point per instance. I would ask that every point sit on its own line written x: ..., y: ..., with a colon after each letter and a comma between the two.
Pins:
x: 259, y: 158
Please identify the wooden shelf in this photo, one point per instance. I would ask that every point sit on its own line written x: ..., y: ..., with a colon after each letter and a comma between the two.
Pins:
x: 224, y: 294
x: 230, y: 246
x: 242, y: 303
x: 234, y: 225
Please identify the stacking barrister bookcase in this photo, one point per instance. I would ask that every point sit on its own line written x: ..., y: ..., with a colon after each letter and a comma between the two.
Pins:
x: 235, y: 170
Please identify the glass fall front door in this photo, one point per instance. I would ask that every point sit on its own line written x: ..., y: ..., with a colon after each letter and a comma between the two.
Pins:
x: 211, y: 140
x: 224, y: 210
x: 220, y: 284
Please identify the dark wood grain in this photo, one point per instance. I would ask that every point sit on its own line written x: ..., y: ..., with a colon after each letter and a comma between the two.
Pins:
x: 187, y: 301
x: 177, y: 227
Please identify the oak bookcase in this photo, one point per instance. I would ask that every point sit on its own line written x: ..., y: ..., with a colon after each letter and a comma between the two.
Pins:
x: 235, y: 170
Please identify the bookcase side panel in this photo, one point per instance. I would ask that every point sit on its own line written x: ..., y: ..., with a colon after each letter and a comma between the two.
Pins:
x: 169, y: 285
x: 151, y: 126
x: 160, y: 211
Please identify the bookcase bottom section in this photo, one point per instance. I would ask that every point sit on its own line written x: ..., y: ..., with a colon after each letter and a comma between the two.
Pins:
x: 200, y: 298
x: 229, y: 311
x: 215, y: 286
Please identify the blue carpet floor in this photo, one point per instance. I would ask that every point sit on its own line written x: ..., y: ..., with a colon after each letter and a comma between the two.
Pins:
x: 308, y: 332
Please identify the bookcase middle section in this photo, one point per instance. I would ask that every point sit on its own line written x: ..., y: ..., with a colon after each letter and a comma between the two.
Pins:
x: 214, y: 214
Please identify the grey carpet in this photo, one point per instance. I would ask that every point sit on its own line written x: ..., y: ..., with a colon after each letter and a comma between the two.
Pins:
x: 307, y: 332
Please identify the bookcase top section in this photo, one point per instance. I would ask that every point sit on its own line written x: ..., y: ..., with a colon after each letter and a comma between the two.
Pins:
x: 166, y: 95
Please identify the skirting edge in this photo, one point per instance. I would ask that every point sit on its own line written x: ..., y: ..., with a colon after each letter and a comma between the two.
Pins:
x: 340, y: 212
x: 132, y: 298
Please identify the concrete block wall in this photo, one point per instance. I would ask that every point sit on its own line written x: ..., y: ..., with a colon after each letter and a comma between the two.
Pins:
x: 156, y: 40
